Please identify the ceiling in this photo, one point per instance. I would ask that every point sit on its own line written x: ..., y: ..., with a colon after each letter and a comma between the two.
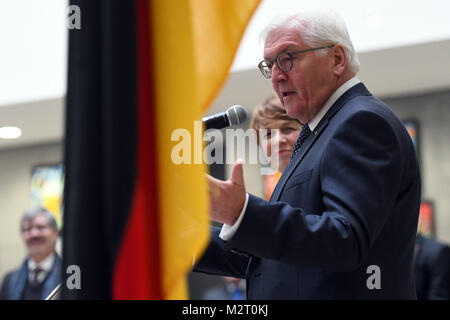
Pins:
x: 40, y: 122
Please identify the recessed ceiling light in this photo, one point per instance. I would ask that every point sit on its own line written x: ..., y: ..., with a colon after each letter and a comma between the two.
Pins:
x: 10, y: 132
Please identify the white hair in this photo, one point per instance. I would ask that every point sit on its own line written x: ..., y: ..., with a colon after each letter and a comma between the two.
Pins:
x: 317, y: 29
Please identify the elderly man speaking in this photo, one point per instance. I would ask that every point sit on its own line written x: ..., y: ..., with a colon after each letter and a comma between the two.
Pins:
x: 342, y: 220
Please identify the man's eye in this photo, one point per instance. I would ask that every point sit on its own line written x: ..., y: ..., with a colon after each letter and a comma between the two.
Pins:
x: 284, y: 59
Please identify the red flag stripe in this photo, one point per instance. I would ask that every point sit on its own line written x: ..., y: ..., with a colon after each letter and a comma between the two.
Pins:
x: 137, y: 272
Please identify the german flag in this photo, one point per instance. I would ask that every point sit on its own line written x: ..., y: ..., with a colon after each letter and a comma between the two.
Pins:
x: 138, y: 70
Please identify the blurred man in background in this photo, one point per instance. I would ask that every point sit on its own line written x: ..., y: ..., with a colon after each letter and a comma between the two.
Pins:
x: 40, y: 273
x: 432, y: 265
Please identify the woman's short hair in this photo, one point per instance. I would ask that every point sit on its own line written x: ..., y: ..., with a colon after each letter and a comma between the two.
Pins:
x: 270, y: 109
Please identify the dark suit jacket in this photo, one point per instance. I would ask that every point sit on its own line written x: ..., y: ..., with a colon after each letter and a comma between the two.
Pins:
x: 432, y: 263
x: 348, y: 200
x: 14, y: 283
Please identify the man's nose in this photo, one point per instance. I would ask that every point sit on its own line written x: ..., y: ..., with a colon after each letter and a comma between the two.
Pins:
x: 35, y: 232
x: 277, y: 74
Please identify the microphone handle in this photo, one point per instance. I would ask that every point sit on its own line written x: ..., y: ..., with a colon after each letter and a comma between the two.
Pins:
x: 217, y: 121
x: 54, y: 293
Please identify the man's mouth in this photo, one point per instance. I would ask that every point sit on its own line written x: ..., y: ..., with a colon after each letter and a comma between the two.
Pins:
x: 287, y: 93
x: 36, y: 241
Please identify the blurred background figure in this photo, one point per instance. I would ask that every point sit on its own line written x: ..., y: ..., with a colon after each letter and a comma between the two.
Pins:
x: 432, y: 267
x: 40, y: 273
x: 267, y: 116
x: 271, y: 115
x: 230, y: 289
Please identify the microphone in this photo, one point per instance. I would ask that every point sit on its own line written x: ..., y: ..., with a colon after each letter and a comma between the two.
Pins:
x: 235, y: 115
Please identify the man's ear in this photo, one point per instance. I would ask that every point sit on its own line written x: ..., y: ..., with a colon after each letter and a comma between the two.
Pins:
x: 339, y: 59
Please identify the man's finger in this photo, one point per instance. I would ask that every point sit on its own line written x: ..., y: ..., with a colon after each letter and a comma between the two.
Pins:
x: 212, y: 179
x: 237, y: 174
x: 213, y: 186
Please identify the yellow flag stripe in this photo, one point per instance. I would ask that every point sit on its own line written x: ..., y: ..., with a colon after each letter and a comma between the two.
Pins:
x: 194, y: 43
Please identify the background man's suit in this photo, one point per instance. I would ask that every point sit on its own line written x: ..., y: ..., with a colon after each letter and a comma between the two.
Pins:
x: 15, y: 282
x: 348, y: 200
x: 432, y: 265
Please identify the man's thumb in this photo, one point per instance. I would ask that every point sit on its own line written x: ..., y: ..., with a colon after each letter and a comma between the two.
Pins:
x: 237, y: 174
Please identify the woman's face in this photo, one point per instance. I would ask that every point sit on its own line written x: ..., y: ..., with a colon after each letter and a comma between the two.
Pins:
x: 278, y: 140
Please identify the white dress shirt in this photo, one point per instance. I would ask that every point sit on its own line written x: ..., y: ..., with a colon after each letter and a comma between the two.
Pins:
x: 45, y: 265
x: 228, y: 231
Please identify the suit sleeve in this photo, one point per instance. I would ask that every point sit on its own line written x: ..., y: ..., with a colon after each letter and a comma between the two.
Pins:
x: 439, y: 274
x: 218, y: 260
x: 360, y: 174
x: 4, y: 289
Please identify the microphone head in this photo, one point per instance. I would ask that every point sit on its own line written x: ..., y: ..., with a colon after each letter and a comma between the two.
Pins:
x: 236, y: 115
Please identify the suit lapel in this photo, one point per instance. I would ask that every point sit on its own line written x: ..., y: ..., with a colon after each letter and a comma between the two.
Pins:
x: 53, y: 278
x: 357, y: 90
x: 18, y: 281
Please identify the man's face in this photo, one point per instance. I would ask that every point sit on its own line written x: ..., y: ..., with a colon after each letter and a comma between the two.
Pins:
x: 39, y: 237
x: 304, y: 89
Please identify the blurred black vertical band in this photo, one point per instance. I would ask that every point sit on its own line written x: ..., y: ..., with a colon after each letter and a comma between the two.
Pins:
x: 100, y: 142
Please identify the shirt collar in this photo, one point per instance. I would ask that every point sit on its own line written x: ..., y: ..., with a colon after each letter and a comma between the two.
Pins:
x: 46, y: 264
x: 331, y: 100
